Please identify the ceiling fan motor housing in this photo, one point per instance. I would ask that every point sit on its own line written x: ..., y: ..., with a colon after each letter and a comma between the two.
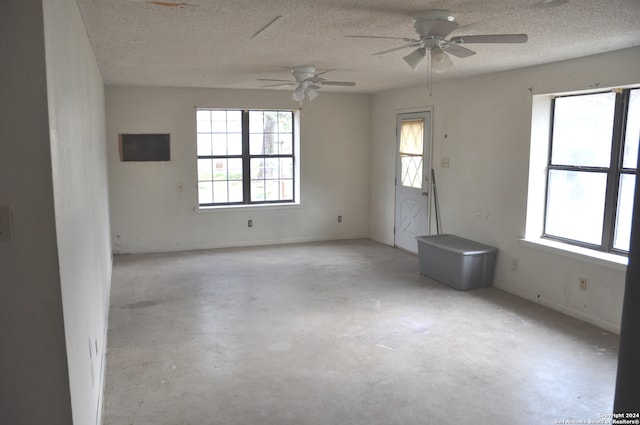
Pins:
x: 423, y: 21
x: 301, y: 73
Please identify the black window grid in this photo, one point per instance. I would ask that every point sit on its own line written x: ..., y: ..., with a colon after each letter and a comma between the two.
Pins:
x: 613, y: 172
x: 246, y: 158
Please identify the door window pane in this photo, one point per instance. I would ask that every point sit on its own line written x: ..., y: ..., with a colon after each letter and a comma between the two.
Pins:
x: 411, y: 151
x: 411, y: 171
x: 411, y: 137
x: 624, y: 212
x: 575, y: 205
x: 583, y: 130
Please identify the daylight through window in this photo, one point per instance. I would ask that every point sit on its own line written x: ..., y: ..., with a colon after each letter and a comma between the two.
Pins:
x: 592, y: 167
x: 245, y: 157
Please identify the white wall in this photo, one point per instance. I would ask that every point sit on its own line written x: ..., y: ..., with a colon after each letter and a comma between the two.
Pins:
x: 79, y: 168
x: 152, y: 204
x: 483, y: 125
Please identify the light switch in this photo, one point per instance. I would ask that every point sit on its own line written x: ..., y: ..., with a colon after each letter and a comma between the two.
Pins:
x: 6, y: 226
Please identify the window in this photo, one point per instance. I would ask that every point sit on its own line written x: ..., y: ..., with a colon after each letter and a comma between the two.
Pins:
x: 245, y: 157
x: 411, y: 152
x: 591, y: 169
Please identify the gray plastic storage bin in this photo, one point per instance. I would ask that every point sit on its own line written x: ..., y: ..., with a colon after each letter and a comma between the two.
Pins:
x: 457, y: 262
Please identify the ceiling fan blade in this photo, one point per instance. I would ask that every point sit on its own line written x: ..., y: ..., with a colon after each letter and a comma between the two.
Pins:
x: 280, y: 85
x: 415, y: 44
x: 491, y: 38
x: 338, y: 83
x: 457, y: 50
x: 442, y: 28
x: 379, y: 36
x: 271, y: 22
x: 315, y: 79
x: 283, y: 81
x: 324, y: 72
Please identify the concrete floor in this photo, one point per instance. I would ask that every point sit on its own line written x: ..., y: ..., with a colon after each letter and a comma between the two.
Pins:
x: 341, y: 332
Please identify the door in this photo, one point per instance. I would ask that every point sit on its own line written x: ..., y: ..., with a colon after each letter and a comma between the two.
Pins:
x: 413, y: 134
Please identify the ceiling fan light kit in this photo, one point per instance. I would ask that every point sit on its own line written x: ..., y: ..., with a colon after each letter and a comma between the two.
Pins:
x: 440, y: 61
x: 312, y: 93
x: 415, y: 58
x: 307, y: 82
x: 298, y: 94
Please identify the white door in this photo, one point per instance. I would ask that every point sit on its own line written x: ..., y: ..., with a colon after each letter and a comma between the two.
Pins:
x: 412, y: 178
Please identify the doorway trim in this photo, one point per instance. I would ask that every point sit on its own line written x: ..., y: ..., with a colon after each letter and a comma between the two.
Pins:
x: 427, y: 165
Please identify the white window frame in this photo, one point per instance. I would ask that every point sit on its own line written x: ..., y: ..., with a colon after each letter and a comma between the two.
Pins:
x: 541, y: 123
x: 296, y: 167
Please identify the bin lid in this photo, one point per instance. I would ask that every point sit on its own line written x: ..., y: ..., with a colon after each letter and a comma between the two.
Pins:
x: 456, y: 244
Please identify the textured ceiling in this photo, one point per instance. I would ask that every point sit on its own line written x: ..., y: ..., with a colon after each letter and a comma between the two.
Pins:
x: 219, y: 43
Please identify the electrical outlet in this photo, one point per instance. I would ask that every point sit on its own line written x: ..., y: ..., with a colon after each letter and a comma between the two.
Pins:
x: 514, y: 264
x: 583, y: 283
x: 339, y: 219
x: 444, y: 162
x: 250, y: 223
x: 6, y: 225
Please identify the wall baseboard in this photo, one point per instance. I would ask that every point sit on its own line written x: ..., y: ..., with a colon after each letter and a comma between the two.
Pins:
x: 561, y: 308
x: 264, y: 242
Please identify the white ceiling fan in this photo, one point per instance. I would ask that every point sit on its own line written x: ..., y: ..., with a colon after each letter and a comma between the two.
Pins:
x: 433, y: 26
x: 307, y: 82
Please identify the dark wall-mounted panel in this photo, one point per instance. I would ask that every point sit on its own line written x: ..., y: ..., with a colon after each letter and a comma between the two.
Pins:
x: 144, y: 147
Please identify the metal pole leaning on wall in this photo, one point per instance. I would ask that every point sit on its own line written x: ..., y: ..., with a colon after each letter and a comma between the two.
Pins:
x: 435, y: 202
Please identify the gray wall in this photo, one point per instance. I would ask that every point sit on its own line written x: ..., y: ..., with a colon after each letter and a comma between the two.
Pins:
x: 55, y: 273
x: 34, y: 382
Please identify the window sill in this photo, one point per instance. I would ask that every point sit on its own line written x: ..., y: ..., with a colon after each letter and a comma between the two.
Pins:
x: 612, y: 261
x: 258, y: 207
